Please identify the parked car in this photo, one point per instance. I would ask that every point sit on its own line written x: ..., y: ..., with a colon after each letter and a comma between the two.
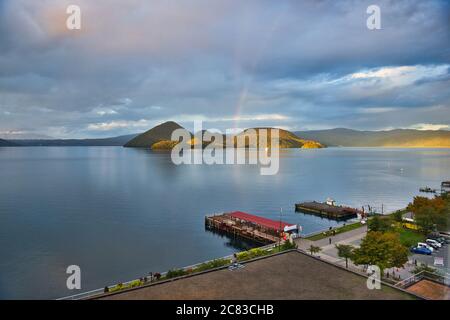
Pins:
x: 442, y: 238
x: 434, y: 243
x: 421, y: 250
x: 425, y: 245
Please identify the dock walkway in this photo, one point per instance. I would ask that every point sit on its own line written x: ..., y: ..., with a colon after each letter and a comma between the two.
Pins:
x: 249, y: 226
x: 326, y: 210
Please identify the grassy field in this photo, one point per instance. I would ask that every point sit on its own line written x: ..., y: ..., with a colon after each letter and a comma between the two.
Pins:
x: 345, y: 228
x: 410, y: 237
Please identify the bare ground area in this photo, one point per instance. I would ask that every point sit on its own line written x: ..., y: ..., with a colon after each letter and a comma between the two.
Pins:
x: 291, y: 275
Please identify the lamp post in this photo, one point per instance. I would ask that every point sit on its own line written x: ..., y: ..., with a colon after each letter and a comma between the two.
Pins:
x: 279, y: 233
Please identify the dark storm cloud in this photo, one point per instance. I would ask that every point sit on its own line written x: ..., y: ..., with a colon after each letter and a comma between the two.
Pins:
x: 296, y: 64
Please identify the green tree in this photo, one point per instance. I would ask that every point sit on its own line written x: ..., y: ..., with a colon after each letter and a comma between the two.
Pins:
x: 398, y: 215
x: 314, y: 249
x: 429, y: 218
x: 382, y: 224
x: 381, y: 249
x: 345, y: 251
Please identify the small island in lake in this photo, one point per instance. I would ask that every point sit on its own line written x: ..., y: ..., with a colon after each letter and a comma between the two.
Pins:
x: 159, y: 138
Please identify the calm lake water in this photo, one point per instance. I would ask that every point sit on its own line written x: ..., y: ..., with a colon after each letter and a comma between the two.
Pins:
x: 120, y: 213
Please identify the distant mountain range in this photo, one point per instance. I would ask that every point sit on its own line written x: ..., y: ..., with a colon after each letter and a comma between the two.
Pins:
x: 5, y: 143
x: 404, y: 138
x: 159, y: 138
x: 114, y: 141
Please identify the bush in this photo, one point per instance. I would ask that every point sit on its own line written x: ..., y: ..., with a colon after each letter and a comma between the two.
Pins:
x: 380, y: 224
x: 425, y: 268
x: 398, y: 215
x: 217, y: 263
x: 175, y: 273
x: 251, y: 254
x: 287, y: 245
x: 258, y: 252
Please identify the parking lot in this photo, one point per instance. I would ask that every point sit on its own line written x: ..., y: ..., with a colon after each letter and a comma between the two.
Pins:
x: 443, y: 252
x: 429, y: 260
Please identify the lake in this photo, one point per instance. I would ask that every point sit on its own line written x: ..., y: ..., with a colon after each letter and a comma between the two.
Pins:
x: 120, y: 213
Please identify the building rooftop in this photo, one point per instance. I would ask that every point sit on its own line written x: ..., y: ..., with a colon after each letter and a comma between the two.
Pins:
x: 291, y: 275
x: 430, y: 290
x: 267, y: 223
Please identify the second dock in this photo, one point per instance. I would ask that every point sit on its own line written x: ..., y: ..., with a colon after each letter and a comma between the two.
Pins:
x: 327, y: 210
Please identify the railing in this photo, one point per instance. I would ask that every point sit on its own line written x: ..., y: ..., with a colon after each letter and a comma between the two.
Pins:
x: 424, y: 274
x: 410, y: 281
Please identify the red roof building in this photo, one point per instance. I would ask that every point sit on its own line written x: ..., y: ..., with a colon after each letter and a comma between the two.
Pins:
x: 264, y: 222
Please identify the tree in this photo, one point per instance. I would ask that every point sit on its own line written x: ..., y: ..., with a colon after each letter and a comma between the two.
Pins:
x: 382, y: 224
x: 427, y: 219
x: 430, y: 214
x: 381, y: 249
x: 314, y: 249
x: 345, y: 251
x: 418, y: 203
x: 398, y: 215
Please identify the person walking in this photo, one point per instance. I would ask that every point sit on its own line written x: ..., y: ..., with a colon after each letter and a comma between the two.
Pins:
x: 234, y: 259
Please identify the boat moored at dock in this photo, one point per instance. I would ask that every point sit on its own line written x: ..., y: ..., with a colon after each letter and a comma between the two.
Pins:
x: 427, y: 190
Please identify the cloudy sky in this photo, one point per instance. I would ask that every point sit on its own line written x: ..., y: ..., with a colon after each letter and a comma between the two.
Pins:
x: 232, y: 63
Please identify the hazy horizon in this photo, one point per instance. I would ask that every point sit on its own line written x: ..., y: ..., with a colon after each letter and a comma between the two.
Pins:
x: 19, y: 137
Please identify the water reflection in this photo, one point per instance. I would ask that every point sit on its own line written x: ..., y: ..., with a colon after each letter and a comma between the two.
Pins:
x: 235, y: 242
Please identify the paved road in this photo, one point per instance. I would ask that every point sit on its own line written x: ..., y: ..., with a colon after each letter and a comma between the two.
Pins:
x: 339, y: 238
x: 329, y: 251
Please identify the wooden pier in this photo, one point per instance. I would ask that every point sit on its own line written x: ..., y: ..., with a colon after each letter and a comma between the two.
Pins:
x: 249, y: 226
x: 327, y: 210
x: 445, y: 187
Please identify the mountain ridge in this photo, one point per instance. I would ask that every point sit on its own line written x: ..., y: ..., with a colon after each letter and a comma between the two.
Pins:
x: 406, y: 138
x: 111, y: 141
x: 7, y: 143
x: 161, y: 132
